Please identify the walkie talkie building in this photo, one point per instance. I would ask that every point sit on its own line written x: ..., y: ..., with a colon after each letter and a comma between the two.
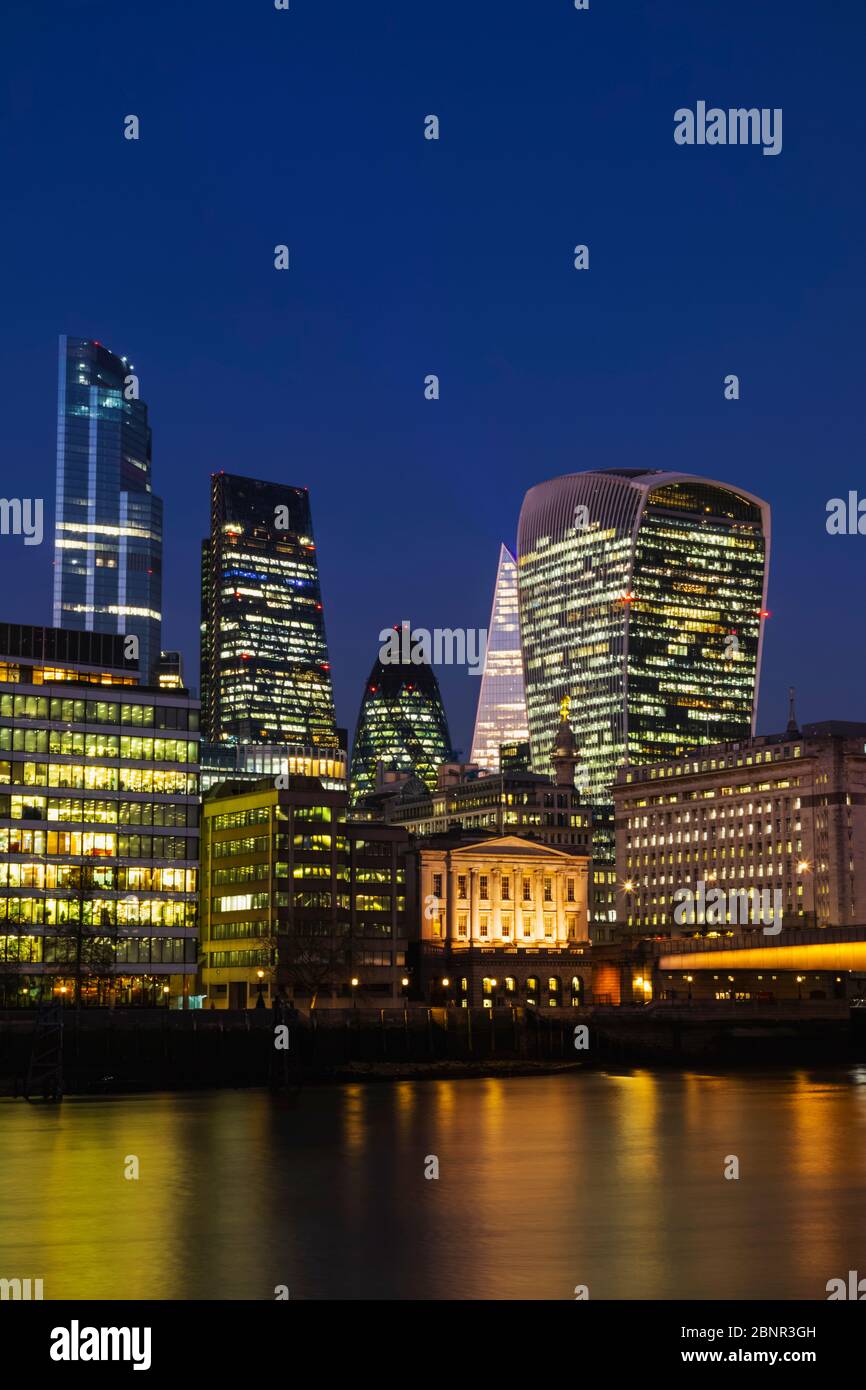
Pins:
x: 642, y: 597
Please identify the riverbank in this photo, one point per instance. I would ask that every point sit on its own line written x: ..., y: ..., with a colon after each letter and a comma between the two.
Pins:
x: 114, y: 1052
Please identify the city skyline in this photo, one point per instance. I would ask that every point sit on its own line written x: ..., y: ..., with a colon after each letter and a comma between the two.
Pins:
x: 314, y: 376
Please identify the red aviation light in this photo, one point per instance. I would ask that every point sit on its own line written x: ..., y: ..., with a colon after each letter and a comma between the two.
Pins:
x: 764, y: 613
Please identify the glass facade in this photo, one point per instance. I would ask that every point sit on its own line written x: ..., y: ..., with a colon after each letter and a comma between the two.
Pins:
x: 108, y: 527
x: 98, y: 838
x: 501, y: 714
x: 298, y: 902
x: 265, y: 673
x: 642, y: 597
x: 401, y: 724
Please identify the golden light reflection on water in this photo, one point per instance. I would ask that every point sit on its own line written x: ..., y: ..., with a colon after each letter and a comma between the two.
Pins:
x: 611, y: 1180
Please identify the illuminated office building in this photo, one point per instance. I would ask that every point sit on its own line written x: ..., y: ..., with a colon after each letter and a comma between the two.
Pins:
x: 250, y: 762
x: 501, y: 714
x: 265, y: 674
x: 108, y: 527
x: 401, y: 725
x: 297, y: 903
x: 98, y: 825
x: 642, y: 597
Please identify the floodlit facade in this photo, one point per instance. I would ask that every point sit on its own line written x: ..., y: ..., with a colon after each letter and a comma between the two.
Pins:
x: 99, y: 819
x: 265, y: 673
x: 108, y: 526
x: 401, y: 724
x: 501, y: 714
x: 510, y: 924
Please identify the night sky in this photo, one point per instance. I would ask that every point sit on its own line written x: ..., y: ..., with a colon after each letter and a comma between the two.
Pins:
x: 454, y: 257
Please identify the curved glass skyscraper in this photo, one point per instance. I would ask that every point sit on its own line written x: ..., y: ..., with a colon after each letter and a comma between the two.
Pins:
x: 641, y: 598
x: 401, y: 724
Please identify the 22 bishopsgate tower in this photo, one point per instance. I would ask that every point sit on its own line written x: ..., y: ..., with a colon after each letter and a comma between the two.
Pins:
x: 265, y: 673
x: 108, y: 527
x: 642, y: 597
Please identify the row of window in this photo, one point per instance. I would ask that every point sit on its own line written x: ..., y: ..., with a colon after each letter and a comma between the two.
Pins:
x: 506, y: 925
x: 93, y: 811
x: 93, y: 777
x: 131, y: 747
x: 153, y: 912
x: 63, y: 711
x: 63, y: 950
x: 504, y: 888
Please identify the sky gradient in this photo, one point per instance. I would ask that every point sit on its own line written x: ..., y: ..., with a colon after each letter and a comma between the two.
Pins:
x: 454, y: 257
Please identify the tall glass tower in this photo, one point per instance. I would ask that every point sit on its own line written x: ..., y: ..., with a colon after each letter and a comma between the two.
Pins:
x: 265, y: 673
x: 108, y: 527
x: 501, y: 714
x: 401, y: 724
x: 642, y: 597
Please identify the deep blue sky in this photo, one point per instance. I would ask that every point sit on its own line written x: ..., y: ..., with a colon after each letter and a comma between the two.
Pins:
x: 410, y: 257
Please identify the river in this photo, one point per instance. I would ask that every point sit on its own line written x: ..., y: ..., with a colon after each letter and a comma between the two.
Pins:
x: 615, y: 1181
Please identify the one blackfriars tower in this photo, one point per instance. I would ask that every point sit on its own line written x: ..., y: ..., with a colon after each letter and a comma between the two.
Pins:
x: 108, y: 528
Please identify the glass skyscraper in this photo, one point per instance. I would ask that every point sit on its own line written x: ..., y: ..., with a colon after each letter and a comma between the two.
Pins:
x: 501, y: 714
x: 108, y: 528
x: 641, y: 599
x: 642, y: 596
x: 401, y: 724
x: 265, y: 673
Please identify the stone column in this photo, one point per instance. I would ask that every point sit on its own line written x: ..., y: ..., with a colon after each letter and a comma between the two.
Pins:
x: 451, y: 900
x: 473, y: 905
x: 496, y: 914
x: 538, y: 891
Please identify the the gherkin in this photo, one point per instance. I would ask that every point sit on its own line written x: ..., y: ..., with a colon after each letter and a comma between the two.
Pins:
x: 401, y: 724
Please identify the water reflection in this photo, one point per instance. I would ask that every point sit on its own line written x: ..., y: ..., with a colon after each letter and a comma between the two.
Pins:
x: 611, y: 1180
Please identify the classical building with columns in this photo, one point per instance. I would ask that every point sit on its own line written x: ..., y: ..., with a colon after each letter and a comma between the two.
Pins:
x: 503, y: 920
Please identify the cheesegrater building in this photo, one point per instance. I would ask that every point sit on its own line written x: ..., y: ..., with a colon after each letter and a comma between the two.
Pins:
x: 642, y: 599
x: 401, y: 725
x: 265, y: 673
x: 108, y: 527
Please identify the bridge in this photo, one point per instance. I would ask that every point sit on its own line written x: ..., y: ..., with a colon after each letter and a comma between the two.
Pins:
x: 812, y: 949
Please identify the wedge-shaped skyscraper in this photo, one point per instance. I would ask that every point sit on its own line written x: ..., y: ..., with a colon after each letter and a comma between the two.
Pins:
x: 265, y: 673
x: 501, y: 714
x: 401, y: 724
x: 642, y: 597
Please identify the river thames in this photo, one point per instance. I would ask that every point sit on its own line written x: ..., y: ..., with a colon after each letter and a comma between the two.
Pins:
x: 615, y: 1181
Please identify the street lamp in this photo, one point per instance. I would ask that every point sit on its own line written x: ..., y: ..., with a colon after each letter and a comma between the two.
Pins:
x: 260, y: 1002
x: 354, y: 983
x: 689, y: 979
x: 800, y: 979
